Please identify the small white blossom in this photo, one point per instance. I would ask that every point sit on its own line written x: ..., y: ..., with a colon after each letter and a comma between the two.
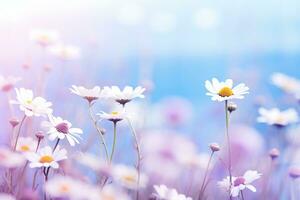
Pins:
x: 44, y: 37
x: 88, y: 94
x: 32, y: 106
x: 276, y: 117
x: 45, y: 157
x: 164, y: 193
x: 286, y: 83
x: 61, y: 129
x: 124, y: 96
x: 67, y: 187
x: 114, y: 116
x: 65, y: 52
x: 240, y: 183
x: 221, y: 91
x: 26, y: 144
x: 128, y: 177
x: 10, y: 159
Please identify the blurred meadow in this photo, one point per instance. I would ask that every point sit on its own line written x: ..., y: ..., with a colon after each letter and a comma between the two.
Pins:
x: 172, y: 50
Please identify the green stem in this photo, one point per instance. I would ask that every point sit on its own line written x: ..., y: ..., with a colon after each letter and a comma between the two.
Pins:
x: 228, y: 144
x: 114, y: 142
x: 99, y: 131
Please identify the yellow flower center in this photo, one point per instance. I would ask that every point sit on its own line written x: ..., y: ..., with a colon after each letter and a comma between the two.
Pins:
x: 46, y: 159
x: 24, y: 148
x: 64, y: 188
x: 29, y: 101
x: 129, y: 179
x: 225, y: 92
x: 114, y: 113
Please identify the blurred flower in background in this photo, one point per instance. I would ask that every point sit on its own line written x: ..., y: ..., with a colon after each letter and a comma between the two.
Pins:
x: 143, y: 64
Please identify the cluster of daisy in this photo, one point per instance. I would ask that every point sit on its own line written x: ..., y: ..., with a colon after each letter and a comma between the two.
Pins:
x: 37, y: 153
x: 49, y: 153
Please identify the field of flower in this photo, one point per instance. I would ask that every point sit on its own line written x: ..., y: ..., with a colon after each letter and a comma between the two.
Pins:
x: 135, y: 101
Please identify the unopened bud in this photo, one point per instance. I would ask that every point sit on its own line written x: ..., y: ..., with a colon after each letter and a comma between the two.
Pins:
x: 294, y: 172
x: 14, y: 122
x: 274, y: 153
x: 214, y: 147
x: 39, y: 135
x: 231, y: 107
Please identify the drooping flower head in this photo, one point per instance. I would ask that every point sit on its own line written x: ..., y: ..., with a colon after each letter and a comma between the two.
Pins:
x: 61, y: 129
x: 240, y: 183
x: 124, y: 96
x: 164, y: 193
x: 32, y: 106
x: 221, y: 91
x: 89, y: 94
x: 45, y: 157
x: 276, y: 117
x: 8, y: 83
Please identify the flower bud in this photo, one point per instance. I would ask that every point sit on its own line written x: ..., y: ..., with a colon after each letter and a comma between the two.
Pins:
x: 231, y: 107
x: 214, y: 147
x: 14, y: 122
x: 39, y: 135
x: 294, y: 172
x: 274, y: 153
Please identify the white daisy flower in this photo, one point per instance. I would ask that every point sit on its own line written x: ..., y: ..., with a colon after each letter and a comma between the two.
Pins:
x: 61, y: 129
x: 10, y: 159
x: 46, y: 158
x: 240, y: 183
x: 164, y: 193
x: 7, y: 83
x: 124, y: 96
x: 114, y: 116
x: 128, y: 177
x: 65, y: 52
x: 286, y: 83
x: 67, y: 187
x: 109, y: 193
x: 88, y: 94
x: 276, y: 117
x: 32, y: 106
x: 44, y: 37
x: 221, y: 91
x: 26, y: 144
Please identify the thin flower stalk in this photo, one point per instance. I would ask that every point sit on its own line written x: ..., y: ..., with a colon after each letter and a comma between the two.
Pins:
x: 242, y: 195
x: 202, y: 189
x: 18, y: 133
x: 139, y: 157
x: 228, y: 143
x: 99, y: 131
x: 114, y: 142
